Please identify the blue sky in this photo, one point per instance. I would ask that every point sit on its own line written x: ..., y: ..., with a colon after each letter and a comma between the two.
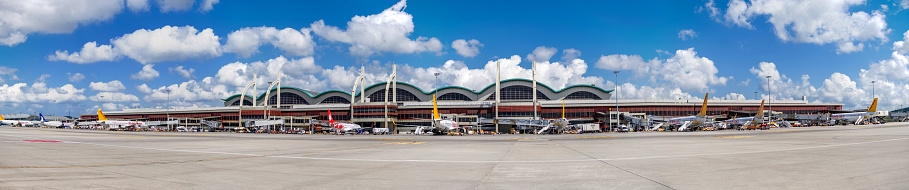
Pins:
x: 828, y: 51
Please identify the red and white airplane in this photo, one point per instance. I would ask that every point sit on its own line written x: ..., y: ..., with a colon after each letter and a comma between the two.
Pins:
x: 342, y: 127
x: 18, y: 122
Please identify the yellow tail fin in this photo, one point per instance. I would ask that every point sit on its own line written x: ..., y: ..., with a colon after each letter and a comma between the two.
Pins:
x: 435, y: 108
x: 704, y: 105
x: 563, y: 108
x: 1, y: 117
x: 873, y: 107
x: 760, y: 112
x: 101, y: 116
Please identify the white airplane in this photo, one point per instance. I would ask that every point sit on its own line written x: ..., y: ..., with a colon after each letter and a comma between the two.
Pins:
x: 852, y: 117
x: 113, y: 124
x: 17, y: 122
x: 46, y: 123
x: 342, y: 127
x: 757, y: 118
x: 700, y: 118
x: 439, y: 125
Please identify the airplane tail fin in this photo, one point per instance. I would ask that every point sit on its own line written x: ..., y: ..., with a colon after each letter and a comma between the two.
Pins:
x: 101, y: 116
x: 435, y: 108
x: 704, y: 106
x: 42, y: 117
x: 1, y: 117
x: 563, y: 108
x: 760, y: 112
x: 873, y: 107
x: 330, y: 120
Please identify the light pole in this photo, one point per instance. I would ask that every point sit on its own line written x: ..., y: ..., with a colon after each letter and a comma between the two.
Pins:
x: 167, y: 110
x: 769, y: 98
x: 872, y: 90
x: 616, y: 98
x: 55, y: 109
x: 755, y: 95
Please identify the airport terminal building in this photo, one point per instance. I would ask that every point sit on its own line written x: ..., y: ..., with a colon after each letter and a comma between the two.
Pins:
x: 410, y: 105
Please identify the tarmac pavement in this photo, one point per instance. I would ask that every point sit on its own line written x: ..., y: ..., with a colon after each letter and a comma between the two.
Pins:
x: 838, y: 157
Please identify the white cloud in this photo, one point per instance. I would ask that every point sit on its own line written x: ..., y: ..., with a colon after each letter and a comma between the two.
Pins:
x: 542, y: 53
x: 208, y: 5
x: 902, y: 46
x: 202, y: 92
x: 711, y: 9
x: 687, y: 34
x: 813, y: 21
x: 630, y: 91
x: 114, y: 97
x: 43, y: 78
x: 904, y: 4
x: 21, y: 18
x: 297, y: 73
x: 781, y: 86
x: 383, y: 32
x: 167, y: 43
x: 39, y: 93
x: 112, y: 86
x: 247, y: 41
x: 8, y: 71
x: 137, y: 5
x: 144, y: 89
x: 185, y: 73
x: 175, y: 5
x: 90, y: 53
x: 745, y: 83
x: 684, y: 69
x: 77, y: 77
x: 467, y: 48
x: 147, y: 73
x: 570, y: 54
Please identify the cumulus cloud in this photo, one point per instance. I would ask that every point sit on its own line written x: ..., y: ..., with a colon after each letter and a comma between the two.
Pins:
x: 147, y: 73
x: 137, y: 5
x: 247, y: 41
x: 112, y: 86
x: 467, y: 48
x: 902, y: 46
x: 11, y: 72
x: 208, y: 5
x: 39, y: 93
x: 144, y: 89
x: 18, y: 19
x: 90, y: 53
x: 687, y: 34
x: 175, y: 5
x: 185, y: 73
x: 813, y: 21
x: 43, y: 78
x: 542, y: 53
x: 167, y: 43
x: 630, y: 91
x: 77, y: 77
x: 570, y: 54
x: 200, y: 93
x: 297, y: 72
x: 114, y: 97
x: 904, y: 4
x: 387, y: 31
x: 689, y: 71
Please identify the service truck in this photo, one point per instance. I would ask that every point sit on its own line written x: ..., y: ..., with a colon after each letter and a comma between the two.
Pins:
x: 588, y: 128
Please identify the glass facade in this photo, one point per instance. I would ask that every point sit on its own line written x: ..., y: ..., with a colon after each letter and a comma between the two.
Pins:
x: 403, y: 96
x: 287, y: 98
x: 335, y: 100
x: 245, y: 103
x: 582, y: 95
x: 454, y: 96
x: 518, y: 93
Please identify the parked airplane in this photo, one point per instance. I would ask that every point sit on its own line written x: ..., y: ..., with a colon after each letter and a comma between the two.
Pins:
x: 700, y: 118
x: 852, y: 117
x: 439, y: 125
x: 113, y: 124
x: 757, y: 118
x: 17, y: 122
x: 342, y: 127
x: 46, y: 123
